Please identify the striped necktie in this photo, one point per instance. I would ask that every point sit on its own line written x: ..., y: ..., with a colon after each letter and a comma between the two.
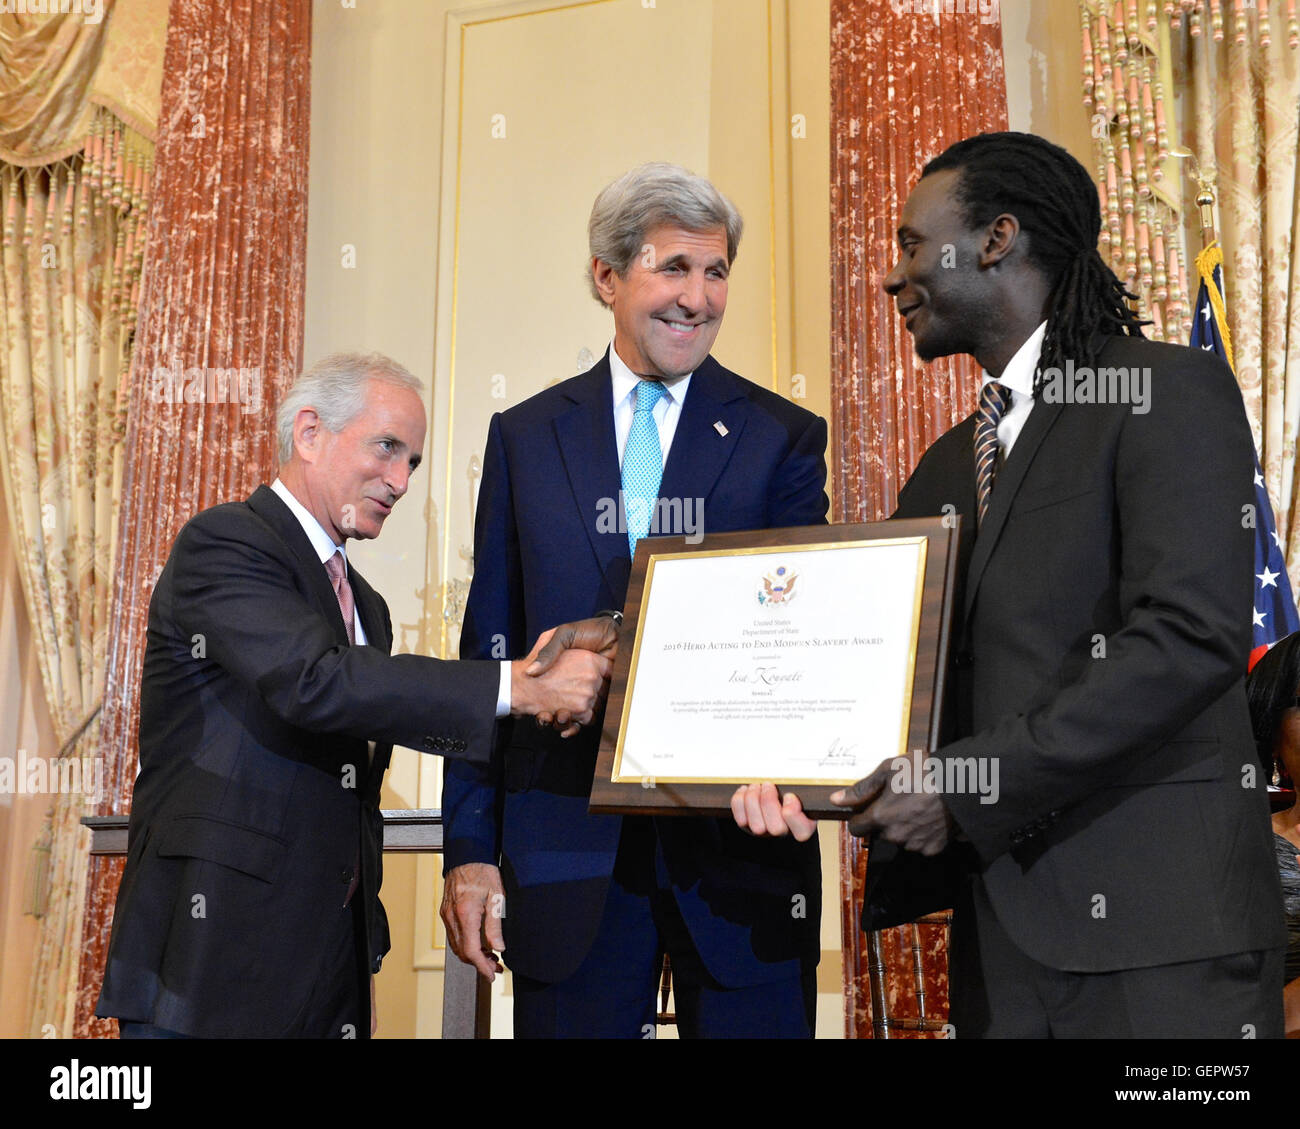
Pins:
x: 995, y: 398
x: 643, y: 463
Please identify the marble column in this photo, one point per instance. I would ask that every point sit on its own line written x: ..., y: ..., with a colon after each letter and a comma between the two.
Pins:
x: 219, y: 338
x: 906, y: 82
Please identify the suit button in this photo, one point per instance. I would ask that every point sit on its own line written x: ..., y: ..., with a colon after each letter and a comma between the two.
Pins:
x: 964, y: 659
x: 345, y: 876
x: 461, y: 746
x: 429, y: 743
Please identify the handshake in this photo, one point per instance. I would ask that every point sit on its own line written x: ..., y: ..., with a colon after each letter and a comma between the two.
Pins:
x: 565, y: 677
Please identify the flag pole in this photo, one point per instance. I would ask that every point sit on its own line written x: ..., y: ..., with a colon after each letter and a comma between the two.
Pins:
x: 1205, y: 199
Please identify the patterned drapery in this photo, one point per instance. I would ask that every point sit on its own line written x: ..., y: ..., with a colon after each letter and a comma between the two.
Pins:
x: 1242, y: 120
x: 1235, y: 73
x: 1128, y: 87
x: 78, y: 105
x: 59, y: 73
x: 221, y: 323
x: 907, y: 80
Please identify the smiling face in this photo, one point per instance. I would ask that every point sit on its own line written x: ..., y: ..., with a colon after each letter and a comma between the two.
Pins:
x: 351, y: 479
x: 668, y: 306
x: 937, y: 284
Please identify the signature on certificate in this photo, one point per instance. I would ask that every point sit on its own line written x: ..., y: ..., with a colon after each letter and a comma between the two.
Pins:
x: 839, y: 753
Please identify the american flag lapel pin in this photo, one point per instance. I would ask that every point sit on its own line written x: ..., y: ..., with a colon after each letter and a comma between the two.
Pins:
x: 720, y: 427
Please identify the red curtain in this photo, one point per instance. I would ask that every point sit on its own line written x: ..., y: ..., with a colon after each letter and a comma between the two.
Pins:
x: 906, y: 82
x: 219, y: 338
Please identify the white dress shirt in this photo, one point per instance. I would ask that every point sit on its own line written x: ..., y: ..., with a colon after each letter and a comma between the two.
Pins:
x: 667, y: 410
x: 1019, y: 377
x: 325, y: 548
x: 323, y: 543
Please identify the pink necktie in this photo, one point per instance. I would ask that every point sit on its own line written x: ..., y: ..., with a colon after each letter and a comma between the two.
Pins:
x: 343, y: 591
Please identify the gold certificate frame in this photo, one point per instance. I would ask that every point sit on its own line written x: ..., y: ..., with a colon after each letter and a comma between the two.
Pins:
x: 708, y: 693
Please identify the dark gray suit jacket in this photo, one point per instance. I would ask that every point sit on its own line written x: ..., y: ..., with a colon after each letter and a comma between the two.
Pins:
x: 1104, y: 618
x: 255, y: 787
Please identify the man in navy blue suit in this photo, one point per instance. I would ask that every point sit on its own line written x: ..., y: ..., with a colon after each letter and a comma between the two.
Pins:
x: 662, y: 437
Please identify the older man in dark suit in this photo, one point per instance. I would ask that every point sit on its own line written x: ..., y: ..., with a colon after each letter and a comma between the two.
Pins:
x: 1123, y: 883
x: 269, y: 706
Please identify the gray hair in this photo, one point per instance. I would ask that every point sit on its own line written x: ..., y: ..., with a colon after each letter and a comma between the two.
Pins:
x: 335, y: 387
x: 648, y: 196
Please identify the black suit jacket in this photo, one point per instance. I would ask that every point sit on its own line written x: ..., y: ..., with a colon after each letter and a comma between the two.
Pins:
x: 256, y: 791
x: 1104, y: 616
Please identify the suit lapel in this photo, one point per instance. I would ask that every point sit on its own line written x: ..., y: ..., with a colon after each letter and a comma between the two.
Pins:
x: 1005, y: 485
x: 700, y: 451
x: 372, y: 616
x: 268, y: 505
x: 585, y: 436
x: 373, y: 624
x: 1012, y: 474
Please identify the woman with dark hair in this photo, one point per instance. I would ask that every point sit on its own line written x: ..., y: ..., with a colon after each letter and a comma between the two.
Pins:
x: 1273, y: 690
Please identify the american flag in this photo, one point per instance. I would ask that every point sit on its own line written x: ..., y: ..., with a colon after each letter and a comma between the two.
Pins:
x: 1275, y: 612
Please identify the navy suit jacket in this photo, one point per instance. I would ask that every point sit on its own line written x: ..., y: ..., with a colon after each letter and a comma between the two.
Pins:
x: 541, y: 558
x: 255, y: 787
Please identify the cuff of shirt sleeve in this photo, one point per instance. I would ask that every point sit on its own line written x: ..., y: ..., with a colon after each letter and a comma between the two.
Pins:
x: 459, y: 852
x: 503, y: 692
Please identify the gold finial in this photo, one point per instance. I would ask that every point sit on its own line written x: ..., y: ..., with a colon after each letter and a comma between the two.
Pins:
x: 1205, y: 198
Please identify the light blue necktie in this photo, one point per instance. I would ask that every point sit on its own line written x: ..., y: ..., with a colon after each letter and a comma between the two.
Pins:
x: 643, y: 463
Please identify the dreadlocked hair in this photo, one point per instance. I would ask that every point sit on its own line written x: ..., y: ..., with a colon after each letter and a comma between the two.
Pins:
x: 1056, y: 203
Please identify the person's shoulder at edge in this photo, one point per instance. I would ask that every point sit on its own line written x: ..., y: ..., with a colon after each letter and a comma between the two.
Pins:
x: 555, y: 398
x: 1170, y: 358
x: 228, y: 521
x: 785, y: 410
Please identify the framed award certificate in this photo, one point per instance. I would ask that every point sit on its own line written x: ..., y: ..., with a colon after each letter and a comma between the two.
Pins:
x: 805, y: 657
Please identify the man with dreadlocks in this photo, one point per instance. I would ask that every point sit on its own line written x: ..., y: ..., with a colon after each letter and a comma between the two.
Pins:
x: 1121, y: 882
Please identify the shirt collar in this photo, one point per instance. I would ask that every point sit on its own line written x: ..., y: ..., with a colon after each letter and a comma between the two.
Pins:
x: 321, y: 541
x: 1022, y: 368
x: 625, y: 381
